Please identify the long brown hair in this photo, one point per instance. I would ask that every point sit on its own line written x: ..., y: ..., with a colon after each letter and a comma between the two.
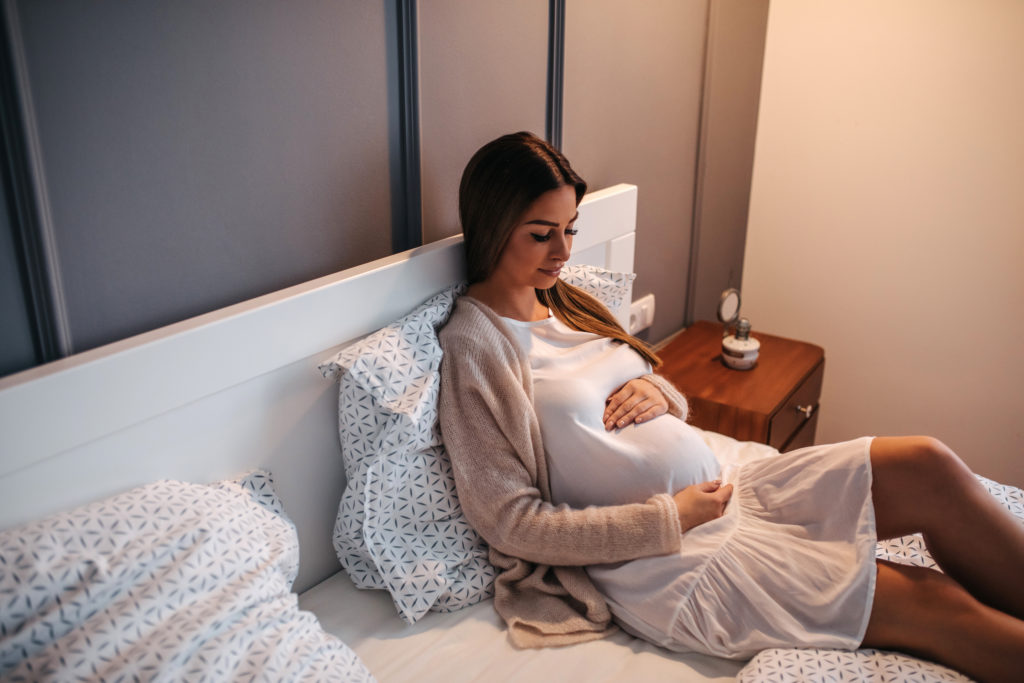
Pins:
x: 499, y: 184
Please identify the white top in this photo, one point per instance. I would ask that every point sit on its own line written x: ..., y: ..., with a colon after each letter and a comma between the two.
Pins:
x: 791, y: 562
x: 573, y: 374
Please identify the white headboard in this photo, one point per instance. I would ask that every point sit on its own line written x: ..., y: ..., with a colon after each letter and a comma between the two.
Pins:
x: 236, y: 389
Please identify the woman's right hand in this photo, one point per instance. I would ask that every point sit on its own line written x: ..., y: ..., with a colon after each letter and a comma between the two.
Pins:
x: 701, y: 503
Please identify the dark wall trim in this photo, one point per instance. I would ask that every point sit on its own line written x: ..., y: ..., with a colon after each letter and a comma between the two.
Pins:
x: 690, y: 307
x: 22, y: 210
x: 407, y: 224
x: 556, y: 71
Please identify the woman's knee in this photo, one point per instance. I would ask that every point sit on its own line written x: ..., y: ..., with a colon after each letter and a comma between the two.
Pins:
x: 936, y: 457
x: 931, y: 447
x: 922, y: 458
x: 914, y: 480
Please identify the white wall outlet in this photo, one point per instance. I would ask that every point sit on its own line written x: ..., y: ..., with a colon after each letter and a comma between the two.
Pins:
x: 641, y: 313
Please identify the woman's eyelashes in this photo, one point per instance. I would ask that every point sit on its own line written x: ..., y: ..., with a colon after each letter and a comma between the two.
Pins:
x: 547, y: 235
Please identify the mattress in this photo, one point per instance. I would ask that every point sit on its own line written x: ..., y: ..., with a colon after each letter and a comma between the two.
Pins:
x: 472, y: 645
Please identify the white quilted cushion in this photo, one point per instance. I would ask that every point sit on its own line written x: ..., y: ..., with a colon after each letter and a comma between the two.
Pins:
x: 170, y: 581
x: 399, y: 524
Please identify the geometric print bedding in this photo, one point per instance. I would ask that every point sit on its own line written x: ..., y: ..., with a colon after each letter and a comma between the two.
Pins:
x: 399, y: 525
x: 608, y: 287
x: 785, y: 665
x: 169, y: 581
x: 839, y: 666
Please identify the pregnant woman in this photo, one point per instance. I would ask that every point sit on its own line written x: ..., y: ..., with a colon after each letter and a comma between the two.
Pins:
x: 575, y: 463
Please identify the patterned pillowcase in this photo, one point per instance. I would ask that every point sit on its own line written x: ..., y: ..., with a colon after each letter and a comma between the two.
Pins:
x: 399, y: 525
x: 171, y: 579
x: 611, y: 289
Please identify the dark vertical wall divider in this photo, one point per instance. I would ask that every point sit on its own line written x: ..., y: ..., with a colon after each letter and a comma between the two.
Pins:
x: 556, y: 71
x: 30, y: 328
x: 407, y: 224
x: 18, y: 347
x: 188, y: 155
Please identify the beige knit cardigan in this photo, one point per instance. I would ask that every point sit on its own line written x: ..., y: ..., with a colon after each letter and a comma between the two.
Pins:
x: 493, y: 438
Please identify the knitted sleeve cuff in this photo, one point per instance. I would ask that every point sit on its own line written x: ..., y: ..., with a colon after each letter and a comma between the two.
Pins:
x: 673, y: 528
x: 676, y: 401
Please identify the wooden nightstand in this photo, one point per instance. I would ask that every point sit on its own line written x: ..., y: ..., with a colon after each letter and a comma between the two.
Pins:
x: 775, y: 403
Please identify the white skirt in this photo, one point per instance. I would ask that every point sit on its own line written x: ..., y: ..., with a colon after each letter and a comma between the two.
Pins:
x: 790, y: 563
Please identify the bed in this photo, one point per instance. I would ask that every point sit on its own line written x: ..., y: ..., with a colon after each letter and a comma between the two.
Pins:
x: 229, y: 416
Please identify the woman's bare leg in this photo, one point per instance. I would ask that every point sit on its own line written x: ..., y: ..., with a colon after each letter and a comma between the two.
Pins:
x: 923, y: 612
x: 920, y: 485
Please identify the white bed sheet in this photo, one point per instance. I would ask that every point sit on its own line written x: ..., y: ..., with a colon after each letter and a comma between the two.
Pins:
x: 472, y: 645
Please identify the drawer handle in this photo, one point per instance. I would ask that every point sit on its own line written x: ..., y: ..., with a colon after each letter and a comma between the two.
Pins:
x: 806, y: 410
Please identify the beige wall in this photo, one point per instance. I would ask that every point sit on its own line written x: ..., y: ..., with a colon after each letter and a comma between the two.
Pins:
x: 887, y: 216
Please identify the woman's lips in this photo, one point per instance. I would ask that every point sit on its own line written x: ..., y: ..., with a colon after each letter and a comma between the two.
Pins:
x: 552, y: 273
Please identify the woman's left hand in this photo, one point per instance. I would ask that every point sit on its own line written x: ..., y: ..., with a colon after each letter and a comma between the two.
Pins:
x: 635, y: 401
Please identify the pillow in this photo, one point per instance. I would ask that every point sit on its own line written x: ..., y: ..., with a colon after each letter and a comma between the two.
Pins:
x: 611, y: 289
x: 399, y: 525
x: 172, y: 580
x: 785, y: 665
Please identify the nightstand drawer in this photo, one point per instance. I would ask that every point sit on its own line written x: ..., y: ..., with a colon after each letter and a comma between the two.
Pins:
x: 804, y: 434
x: 801, y: 407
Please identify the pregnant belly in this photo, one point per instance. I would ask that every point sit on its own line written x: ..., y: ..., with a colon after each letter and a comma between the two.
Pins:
x: 590, y: 466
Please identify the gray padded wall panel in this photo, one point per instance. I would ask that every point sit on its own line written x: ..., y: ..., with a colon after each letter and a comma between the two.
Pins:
x: 633, y: 74
x: 201, y: 153
x: 483, y: 73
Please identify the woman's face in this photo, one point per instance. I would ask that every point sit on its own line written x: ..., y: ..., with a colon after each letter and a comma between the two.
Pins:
x: 540, y: 242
